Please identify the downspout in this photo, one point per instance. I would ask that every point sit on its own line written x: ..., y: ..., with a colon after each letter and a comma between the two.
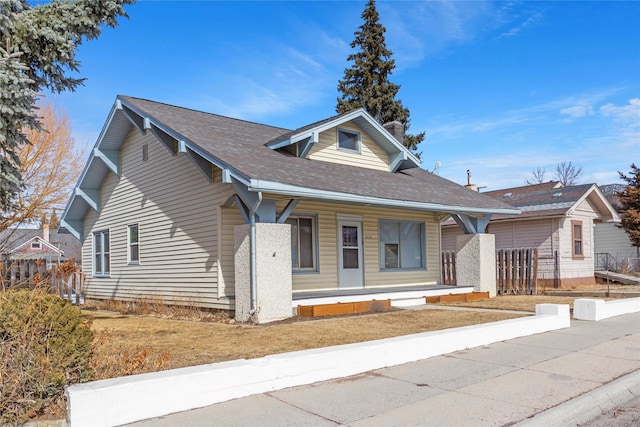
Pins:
x: 252, y: 250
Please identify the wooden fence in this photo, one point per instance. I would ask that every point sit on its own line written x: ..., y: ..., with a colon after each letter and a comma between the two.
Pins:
x: 516, y: 270
x: 449, y: 268
x: 64, y: 280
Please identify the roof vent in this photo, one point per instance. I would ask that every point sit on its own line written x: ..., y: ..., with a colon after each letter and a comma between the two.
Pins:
x: 507, y: 195
x: 558, y: 194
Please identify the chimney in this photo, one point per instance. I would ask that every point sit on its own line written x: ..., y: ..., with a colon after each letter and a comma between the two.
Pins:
x: 45, y: 232
x: 396, y: 129
x: 469, y: 185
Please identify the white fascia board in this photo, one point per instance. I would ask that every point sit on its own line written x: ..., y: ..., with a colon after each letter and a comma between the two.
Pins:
x: 602, y: 199
x: 393, y: 140
x: 292, y: 190
x: 117, y: 105
x: 315, y: 131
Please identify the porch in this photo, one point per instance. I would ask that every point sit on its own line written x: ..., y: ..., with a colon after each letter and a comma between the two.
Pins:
x: 400, y: 296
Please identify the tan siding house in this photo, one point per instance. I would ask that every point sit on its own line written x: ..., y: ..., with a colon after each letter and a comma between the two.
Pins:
x: 558, y: 221
x: 170, y: 196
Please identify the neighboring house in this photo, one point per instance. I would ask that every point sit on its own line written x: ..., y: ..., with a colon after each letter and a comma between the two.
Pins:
x: 27, y: 243
x: 613, y: 247
x: 558, y: 221
x: 171, y: 197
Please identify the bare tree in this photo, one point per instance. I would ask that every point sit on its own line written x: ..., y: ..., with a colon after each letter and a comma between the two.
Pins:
x: 50, y: 166
x: 537, y: 176
x: 567, y: 174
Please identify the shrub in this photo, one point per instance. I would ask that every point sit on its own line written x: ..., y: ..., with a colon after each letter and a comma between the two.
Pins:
x: 45, y: 344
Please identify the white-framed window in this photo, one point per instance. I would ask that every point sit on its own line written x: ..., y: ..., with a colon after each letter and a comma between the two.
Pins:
x: 36, y: 244
x: 576, y: 237
x: 101, y: 253
x: 133, y: 244
x: 304, y: 256
x: 348, y: 140
x: 402, y: 245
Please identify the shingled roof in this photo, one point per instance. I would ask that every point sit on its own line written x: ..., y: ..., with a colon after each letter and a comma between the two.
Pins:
x: 245, y: 152
x: 243, y: 146
x: 550, y: 199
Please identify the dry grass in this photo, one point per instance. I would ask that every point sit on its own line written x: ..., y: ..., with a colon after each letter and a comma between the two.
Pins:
x: 515, y: 302
x: 180, y: 343
x: 143, y: 343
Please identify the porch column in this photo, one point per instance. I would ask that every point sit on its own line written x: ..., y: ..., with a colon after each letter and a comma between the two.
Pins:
x: 273, y: 272
x: 476, y: 262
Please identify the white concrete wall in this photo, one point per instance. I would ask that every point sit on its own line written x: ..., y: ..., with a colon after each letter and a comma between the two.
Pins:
x: 598, y: 309
x: 476, y: 262
x: 273, y: 272
x: 124, y: 400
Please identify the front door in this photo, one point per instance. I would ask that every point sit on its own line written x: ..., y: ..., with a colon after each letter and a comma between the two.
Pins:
x: 350, y: 271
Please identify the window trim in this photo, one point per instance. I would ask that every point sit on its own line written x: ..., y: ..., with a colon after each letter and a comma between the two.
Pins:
x: 575, y: 239
x: 358, y: 148
x: 100, y: 234
x: 36, y: 244
x: 129, y: 244
x: 423, y: 247
x: 314, y: 246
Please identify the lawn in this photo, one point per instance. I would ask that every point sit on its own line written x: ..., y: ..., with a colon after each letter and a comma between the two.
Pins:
x: 129, y: 344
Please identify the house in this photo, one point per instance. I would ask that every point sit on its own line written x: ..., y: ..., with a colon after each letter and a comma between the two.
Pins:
x: 613, y: 248
x: 557, y: 220
x: 29, y: 243
x: 195, y: 208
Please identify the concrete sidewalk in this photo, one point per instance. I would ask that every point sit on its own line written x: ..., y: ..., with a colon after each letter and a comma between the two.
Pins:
x: 567, y: 377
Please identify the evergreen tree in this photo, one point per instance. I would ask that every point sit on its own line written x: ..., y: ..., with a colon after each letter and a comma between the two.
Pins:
x: 366, y: 84
x: 630, y: 204
x: 37, y: 51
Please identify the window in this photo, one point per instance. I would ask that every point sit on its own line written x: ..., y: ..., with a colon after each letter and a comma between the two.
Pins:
x: 133, y: 247
x: 303, y: 242
x: 348, y: 140
x: 35, y: 245
x: 145, y: 152
x: 401, y: 245
x: 101, y: 250
x: 576, y: 237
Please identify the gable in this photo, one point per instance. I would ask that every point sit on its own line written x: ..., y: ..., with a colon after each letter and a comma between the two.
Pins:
x: 378, y: 142
x: 368, y: 154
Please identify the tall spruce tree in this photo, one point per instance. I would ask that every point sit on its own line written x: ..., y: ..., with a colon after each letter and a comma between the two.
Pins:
x: 630, y: 204
x: 366, y: 84
x: 37, y: 51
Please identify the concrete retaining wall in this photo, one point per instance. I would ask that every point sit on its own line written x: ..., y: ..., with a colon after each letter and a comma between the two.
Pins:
x: 128, y: 399
x: 597, y: 309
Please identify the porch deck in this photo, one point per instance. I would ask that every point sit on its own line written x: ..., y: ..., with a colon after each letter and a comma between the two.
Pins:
x: 398, y: 294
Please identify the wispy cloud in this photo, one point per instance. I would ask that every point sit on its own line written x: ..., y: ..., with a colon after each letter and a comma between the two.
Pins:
x: 529, y: 21
x: 627, y: 113
x: 582, y: 109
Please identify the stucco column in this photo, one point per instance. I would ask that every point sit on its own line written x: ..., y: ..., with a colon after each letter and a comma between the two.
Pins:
x: 273, y: 272
x: 476, y: 262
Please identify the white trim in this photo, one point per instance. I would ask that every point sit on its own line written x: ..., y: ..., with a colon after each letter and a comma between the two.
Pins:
x: 258, y: 185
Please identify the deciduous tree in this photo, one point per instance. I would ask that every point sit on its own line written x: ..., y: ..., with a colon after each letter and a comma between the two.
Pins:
x: 630, y: 204
x: 51, y: 165
x: 38, y: 51
x: 567, y: 173
x: 366, y: 84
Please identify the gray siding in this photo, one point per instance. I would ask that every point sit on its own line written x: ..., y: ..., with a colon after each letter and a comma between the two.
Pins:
x: 611, y: 239
x: 176, y: 210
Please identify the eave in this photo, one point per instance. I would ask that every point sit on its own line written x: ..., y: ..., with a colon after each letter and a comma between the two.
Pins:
x: 333, y: 196
x: 400, y: 157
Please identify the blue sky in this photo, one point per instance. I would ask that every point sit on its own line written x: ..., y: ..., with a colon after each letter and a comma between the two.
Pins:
x: 500, y: 88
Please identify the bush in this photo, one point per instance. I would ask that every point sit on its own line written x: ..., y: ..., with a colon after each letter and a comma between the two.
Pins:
x: 45, y: 344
